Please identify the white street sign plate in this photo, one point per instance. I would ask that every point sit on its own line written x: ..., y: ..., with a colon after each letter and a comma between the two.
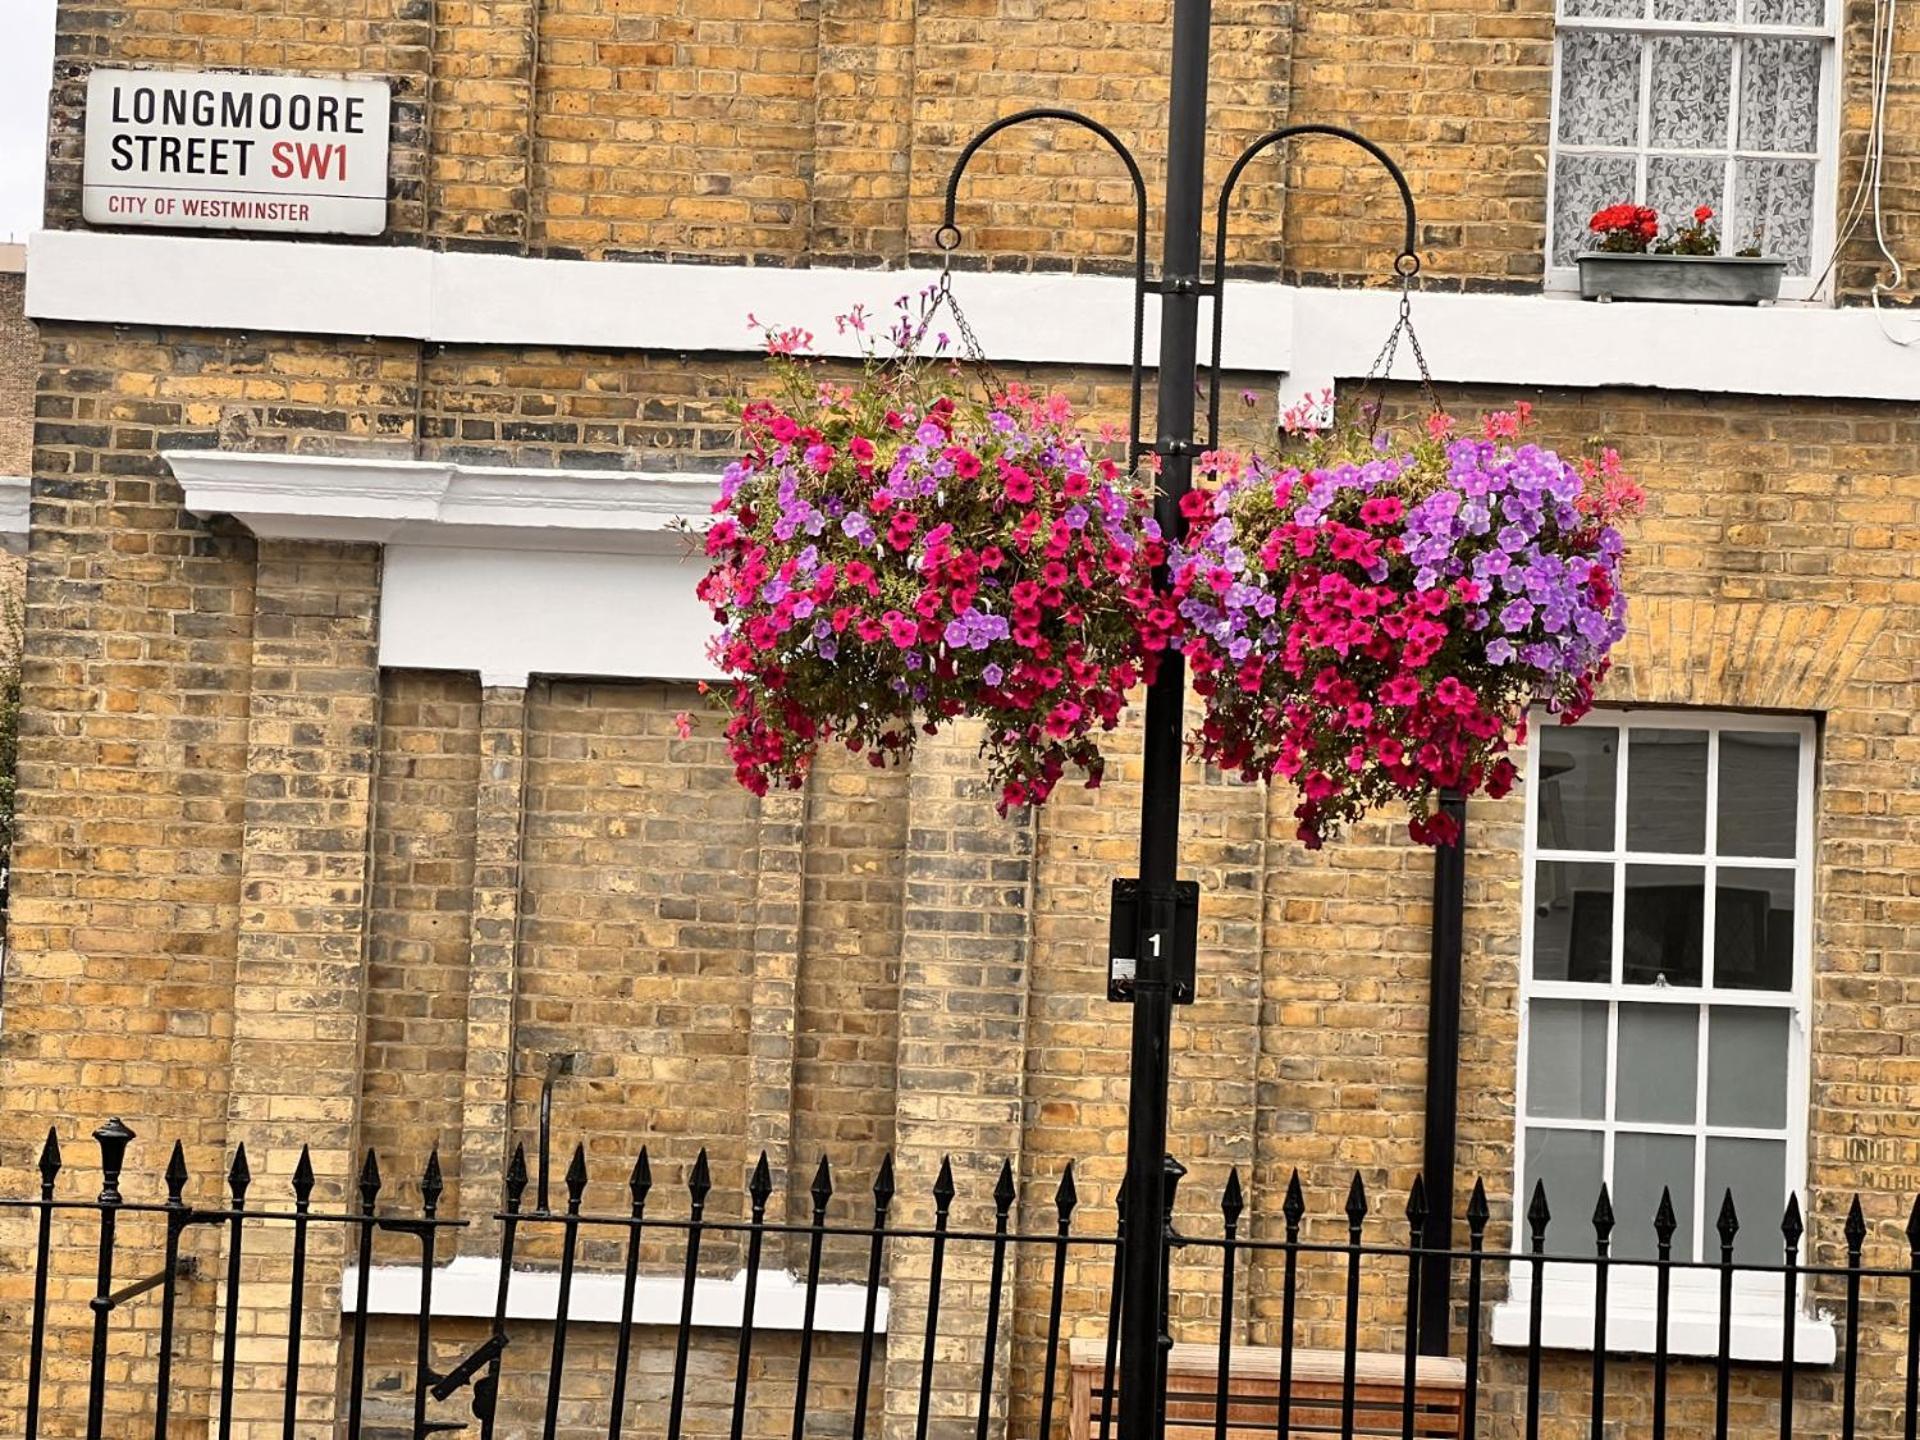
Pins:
x: 202, y: 150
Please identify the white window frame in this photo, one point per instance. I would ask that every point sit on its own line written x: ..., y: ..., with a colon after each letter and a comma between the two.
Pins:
x: 1812, y: 287
x: 1568, y: 1311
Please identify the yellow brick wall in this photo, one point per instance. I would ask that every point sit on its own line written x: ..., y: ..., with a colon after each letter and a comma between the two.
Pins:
x: 797, y: 131
x: 657, y: 902
x: 419, y: 918
x: 19, y: 362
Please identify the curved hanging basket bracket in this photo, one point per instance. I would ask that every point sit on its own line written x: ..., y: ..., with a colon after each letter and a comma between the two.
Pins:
x: 948, y: 237
x: 1406, y: 264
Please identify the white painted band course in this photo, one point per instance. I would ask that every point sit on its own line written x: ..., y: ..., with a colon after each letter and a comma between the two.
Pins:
x: 1307, y: 335
x: 468, y: 1288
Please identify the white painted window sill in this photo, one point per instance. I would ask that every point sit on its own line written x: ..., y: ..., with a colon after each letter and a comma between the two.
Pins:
x: 1756, y: 1337
x: 467, y: 1288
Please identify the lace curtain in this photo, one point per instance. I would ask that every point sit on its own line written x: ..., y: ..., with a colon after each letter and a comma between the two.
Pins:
x: 1730, y: 120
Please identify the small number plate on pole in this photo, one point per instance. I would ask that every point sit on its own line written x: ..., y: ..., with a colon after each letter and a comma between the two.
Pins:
x: 1172, y: 941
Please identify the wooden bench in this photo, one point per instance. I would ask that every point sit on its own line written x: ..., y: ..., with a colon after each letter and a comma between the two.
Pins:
x: 1253, y: 1393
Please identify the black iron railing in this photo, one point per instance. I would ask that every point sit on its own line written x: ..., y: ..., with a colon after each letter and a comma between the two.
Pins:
x: 1339, y: 1296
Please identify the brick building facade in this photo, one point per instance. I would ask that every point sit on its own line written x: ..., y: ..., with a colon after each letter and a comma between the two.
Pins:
x: 353, y: 805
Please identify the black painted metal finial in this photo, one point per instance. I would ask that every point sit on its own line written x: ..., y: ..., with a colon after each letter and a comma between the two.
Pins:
x: 516, y: 1179
x: 1417, y: 1207
x: 1913, y: 1226
x: 1232, y: 1200
x: 177, y: 1175
x: 1294, y: 1207
x: 822, y: 1187
x: 883, y: 1183
x: 369, y: 1181
x: 1665, y: 1222
x: 1356, y: 1201
x: 114, y: 1138
x: 303, y: 1179
x: 1478, y: 1211
x: 1003, y: 1189
x: 577, y: 1178
x: 1067, y: 1196
x: 1792, y: 1227
x: 1539, y: 1216
x: 239, y: 1176
x: 1856, y: 1226
x: 640, y: 1181
x: 1729, y: 1222
x: 700, y: 1181
x: 943, y: 1185
x: 1603, y: 1220
x: 432, y: 1184
x: 760, y: 1184
x: 50, y: 1161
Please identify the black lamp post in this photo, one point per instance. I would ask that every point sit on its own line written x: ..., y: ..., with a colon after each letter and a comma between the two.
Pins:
x: 1153, y: 934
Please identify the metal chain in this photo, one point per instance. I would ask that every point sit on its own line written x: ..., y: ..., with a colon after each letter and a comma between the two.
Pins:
x: 1381, y: 370
x: 970, y: 346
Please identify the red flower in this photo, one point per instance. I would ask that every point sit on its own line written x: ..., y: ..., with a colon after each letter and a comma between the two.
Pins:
x: 1702, y: 214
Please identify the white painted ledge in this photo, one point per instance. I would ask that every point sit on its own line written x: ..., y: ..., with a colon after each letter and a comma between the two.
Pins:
x: 416, y: 502
x: 467, y: 1289
x: 1632, y: 1330
x: 16, y: 502
x: 1308, y: 335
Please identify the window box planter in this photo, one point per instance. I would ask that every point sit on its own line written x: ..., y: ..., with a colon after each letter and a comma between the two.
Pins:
x: 1703, y: 279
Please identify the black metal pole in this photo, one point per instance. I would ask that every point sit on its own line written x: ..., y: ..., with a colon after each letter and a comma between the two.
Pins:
x: 1443, y: 1073
x: 1143, y: 1342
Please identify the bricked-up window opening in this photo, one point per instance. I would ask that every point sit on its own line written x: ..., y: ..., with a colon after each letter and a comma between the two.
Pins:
x: 1681, y: 103
x: 1665, y: 988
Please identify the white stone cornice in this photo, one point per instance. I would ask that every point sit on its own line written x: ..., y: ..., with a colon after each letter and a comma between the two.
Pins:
x: 422, y: 502
x: 16, y: 503
x: 506, y: 572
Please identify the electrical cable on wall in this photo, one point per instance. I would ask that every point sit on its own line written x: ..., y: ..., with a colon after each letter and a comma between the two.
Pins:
x: 1868, y: 192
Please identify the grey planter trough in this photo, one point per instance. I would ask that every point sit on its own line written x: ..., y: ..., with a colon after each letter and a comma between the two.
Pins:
x: 1702, y: 279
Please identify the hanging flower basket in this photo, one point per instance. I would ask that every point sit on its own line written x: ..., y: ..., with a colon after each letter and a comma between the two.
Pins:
x: 892, y: 555
x: 1372, y: 622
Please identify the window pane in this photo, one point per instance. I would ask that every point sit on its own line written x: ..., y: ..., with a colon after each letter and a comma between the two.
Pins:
x: 1567, y: 1162
x: 1780, y: 95
x: 1753, y: 929
x: 1667, y: 791
x: 1677, y: 185
x: 1759, y: 794
x: 1567, y: 1059
x: 1578, y: 773
x: 1599, y: 89
x: 1747, y: 1067
x: 1711, y: 11
x: 1642, y: 1166
x: 1573, y: 922
x: 1773, y: 209
x: 1659, y: 1071
x: 1786, y: 12
x: 1583, y: 184
x: 1756, y: 1172
x: 1692, y: 90
x: 1665, y: 924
